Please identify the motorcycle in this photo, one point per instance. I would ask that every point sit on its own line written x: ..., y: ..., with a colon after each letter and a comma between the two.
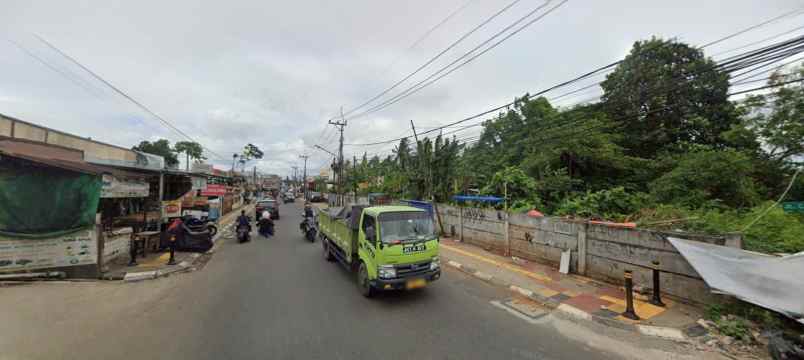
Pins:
x: 243, y: 233
x: 266, y: 227
x: 308, y: 229
x: 203, y: 224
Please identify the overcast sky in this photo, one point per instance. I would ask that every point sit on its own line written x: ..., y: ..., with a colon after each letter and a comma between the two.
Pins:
x: 272, y: 72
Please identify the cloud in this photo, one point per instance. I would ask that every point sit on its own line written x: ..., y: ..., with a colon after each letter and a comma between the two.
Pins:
x: 271, y: 73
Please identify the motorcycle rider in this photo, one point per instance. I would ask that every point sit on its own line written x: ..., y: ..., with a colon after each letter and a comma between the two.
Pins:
x: 243, y: 220
x: 309, y: 215
x: 266, y: 225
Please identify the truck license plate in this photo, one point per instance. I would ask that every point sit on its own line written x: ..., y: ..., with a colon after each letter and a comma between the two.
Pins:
x: 413, y: 248
x: 415, y: 284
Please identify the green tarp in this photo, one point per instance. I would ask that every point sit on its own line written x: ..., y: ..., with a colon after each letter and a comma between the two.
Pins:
x: 39, y: 202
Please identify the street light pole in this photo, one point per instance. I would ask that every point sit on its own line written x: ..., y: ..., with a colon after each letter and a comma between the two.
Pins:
x: 304, y: 177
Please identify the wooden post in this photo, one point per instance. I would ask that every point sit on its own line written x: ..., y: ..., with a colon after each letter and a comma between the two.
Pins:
x: 507, y: 224
x: 161, y: 196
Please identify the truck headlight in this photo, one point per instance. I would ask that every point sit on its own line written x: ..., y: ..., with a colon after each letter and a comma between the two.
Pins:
x: 435, y: 264
x: 387, y: 271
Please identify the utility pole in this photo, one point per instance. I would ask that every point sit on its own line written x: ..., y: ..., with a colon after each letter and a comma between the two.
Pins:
x: 340, y: 125
x: 304, y: 179
x: 295, y: 176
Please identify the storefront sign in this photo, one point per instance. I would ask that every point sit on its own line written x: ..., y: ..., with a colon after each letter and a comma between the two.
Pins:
x: 78, y: 248
x: 113, y: 187
x: 214, y: 190
x: 171, y: 208
x: 199, y: 183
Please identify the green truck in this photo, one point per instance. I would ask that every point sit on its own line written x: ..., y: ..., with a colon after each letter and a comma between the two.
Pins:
x: 388, y: 247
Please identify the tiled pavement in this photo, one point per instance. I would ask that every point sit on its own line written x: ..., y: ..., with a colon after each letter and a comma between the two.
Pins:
x: 545, y: 284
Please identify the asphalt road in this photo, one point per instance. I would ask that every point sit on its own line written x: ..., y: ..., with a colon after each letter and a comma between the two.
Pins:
x: 273, y: 299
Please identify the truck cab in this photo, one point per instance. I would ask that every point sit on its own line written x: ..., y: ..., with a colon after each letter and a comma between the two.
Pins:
x: 399, y: 246
x: 390, y: 247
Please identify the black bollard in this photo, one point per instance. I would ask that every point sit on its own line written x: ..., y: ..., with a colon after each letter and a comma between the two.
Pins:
x: 657, y: 292
x: 132, y: 251
x: 172, y: 260
x: 629, y: 297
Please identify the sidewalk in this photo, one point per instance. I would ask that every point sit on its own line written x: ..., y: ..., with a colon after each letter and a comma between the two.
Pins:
x: 572, y: 294
x: 155, y: 265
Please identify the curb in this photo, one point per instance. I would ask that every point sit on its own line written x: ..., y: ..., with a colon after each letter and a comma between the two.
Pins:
x: 184, y: 265
x: 663, y: 332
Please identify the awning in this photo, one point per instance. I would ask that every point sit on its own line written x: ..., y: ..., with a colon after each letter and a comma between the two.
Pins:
x: 775, y: 283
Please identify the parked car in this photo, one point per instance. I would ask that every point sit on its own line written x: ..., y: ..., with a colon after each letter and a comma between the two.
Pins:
x: 267, y: 204
x: 317, y: 197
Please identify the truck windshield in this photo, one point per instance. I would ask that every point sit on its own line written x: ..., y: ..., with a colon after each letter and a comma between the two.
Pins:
x: 406, y: 226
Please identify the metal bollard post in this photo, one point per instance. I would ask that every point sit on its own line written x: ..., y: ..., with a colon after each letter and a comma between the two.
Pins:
x: 629, y: 297
x: 172, y: 260
x: 132, y: 251
x: 657, y: 292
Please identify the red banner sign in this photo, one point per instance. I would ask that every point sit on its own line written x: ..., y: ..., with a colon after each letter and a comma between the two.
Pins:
x: 214, y: 190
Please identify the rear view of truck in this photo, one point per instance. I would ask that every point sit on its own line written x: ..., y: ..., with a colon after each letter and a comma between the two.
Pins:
x: 388, y: 247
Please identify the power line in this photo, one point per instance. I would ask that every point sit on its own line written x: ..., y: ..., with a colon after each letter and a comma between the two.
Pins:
x: 427, y: 34
x: 434, y: 58
x: 129, y: 98
x: 581, y: 77
x: 432, y: 78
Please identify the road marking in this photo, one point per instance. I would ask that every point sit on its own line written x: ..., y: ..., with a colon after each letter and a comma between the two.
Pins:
x: 497, y: 263
x: 513, y: 312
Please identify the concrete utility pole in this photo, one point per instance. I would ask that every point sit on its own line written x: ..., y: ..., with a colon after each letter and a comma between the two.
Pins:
x: 304, y: 179
x: 295, y: 175
x: 340, y: 125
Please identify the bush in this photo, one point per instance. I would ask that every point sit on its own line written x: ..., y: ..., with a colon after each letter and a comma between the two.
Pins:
x: 613, y: 204
x: 775, y: 232
x: 707, y: 178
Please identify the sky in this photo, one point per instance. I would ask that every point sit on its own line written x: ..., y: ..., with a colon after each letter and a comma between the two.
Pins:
x: 272, y: 73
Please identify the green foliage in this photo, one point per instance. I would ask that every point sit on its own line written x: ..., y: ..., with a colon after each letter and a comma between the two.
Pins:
x: 615, y: 204
x: 160, y: 147
x: 521, y: 189
x: 733, y: 326
x: 707, y: 177
x: 665, y: 92
x: 776, y: 118
x: 251, y: 151
x: 191, y: 149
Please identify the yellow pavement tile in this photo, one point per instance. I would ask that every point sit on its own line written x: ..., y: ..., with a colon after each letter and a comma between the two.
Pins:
x: 497, y: 263
x: 571, y: 293
x: 643, y: 309
x: 159, y: 260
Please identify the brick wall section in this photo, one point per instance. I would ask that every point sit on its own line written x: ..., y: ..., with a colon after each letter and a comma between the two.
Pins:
x: 598, y: 251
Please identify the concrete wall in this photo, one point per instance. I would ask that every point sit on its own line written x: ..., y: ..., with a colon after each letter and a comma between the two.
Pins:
x: 598, y: 251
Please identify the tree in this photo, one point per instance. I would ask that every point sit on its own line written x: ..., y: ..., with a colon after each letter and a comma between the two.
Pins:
x: 707, y: 177
x: 777, y: 118
x: 665, y: 92
x: 250, y: 152
x: 159, y: 147
x: 191, y: 149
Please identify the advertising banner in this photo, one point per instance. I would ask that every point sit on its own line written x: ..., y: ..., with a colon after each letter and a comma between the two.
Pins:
x: 171, y: 208
x: 112, y: 187
x: 78, y: 248
x: 214, y: 190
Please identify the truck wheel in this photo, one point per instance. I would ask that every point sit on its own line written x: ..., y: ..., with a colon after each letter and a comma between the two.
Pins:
x: 363, y: 281
x: 327, y: 252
